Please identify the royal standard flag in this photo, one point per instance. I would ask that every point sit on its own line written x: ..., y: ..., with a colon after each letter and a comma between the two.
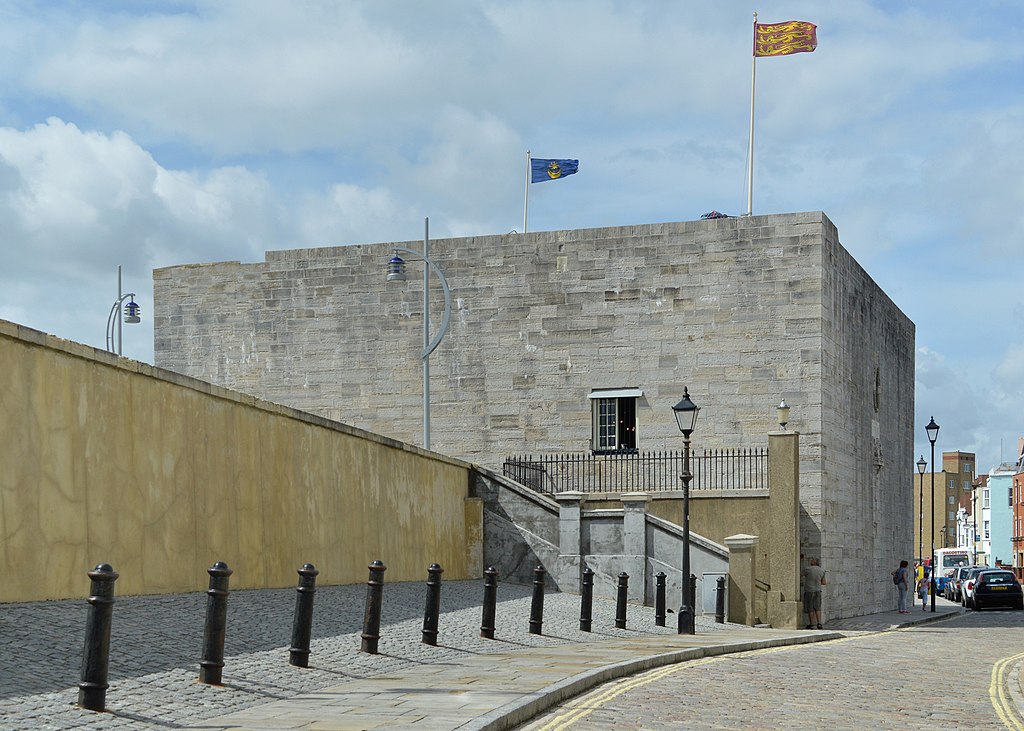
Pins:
x: 541, y: 170
x: 782, y: 39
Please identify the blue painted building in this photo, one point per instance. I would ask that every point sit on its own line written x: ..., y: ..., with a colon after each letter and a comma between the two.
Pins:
x: 1000, y: 518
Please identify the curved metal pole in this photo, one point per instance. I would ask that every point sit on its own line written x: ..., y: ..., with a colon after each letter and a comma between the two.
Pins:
x: 431, y: 346
x: 112, y: 318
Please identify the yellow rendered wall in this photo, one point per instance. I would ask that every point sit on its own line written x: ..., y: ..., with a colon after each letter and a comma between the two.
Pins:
x: 103, y: 459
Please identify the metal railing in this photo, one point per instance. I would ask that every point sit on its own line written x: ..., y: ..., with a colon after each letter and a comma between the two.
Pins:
x: 632, y: 471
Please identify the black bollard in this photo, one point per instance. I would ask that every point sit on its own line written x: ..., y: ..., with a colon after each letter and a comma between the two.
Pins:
x: 659, y: 600
x: 587, y: 600
x: 620, y: 601
x: 693, y: 609
x: 720, y: 600
x: 537, y: 605
x: 211, y: 666
x: 433, y: 606
x: 302, y: 625
x: 371, y: 617
x: 92, y: 691
x: 490, y: 603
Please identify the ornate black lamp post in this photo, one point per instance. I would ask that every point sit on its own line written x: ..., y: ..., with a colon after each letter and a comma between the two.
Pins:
x: 921, y: 464
x: 933, y: 432
x: 686, y: 418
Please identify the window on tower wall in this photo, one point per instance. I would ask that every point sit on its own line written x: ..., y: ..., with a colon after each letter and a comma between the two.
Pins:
x: 614, y: 419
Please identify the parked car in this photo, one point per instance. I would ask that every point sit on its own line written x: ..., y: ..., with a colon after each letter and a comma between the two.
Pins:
x: 954, y: 588
x: 967, y: 587
x: 997, y: 588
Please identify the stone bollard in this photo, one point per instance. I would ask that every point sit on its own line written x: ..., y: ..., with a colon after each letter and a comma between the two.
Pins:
x: 587, y: 600
x: 371, y: 617
x: 659, y: 599
x: 537, y: 605
x: 720, y: 600
x: 433, y: 606
x: 211, y: 667
x: 490, y: 603
x: 92, y: 691
x: 620, y: 600
x: 302, y: 625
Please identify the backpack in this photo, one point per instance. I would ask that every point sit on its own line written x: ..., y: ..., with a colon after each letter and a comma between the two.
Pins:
x: 896, y: 577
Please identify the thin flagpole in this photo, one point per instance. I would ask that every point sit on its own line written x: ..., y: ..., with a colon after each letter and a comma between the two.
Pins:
x: 750, y: 150
x: 526, y: 194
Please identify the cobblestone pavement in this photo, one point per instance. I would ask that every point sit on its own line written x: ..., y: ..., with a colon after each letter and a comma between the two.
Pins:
x: 936, y: 675
x: 156, y: 642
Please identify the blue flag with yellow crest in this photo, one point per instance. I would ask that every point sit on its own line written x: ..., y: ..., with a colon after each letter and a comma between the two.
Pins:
x: 541, y: 170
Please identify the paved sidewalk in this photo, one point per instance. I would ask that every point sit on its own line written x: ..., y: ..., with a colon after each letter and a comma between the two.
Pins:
x: 466, y: 682
x: 894, y: 620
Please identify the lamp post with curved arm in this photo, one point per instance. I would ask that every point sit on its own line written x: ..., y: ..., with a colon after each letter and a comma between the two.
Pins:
x: 131, y: 316
x: 396, y: 273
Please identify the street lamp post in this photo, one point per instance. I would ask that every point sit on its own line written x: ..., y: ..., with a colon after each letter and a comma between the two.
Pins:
x: 921, y: 464
x: 686, y: 419
x: 933, y: 432
x: 396, y: 273
x: 131, y: 316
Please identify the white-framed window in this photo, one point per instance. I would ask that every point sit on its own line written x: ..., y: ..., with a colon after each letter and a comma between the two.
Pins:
x: 985, y: 529
x: 952, y: 516
x: 952, y: 483
x: 967, y: 466
x: 984, y: 498
x: 614, y: 419
x: 967, y: 484
x: 952, y: 499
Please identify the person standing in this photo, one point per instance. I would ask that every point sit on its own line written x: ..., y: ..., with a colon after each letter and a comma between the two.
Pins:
x: 922, y: 591
x: 901, y: 577
x: 814, y: 579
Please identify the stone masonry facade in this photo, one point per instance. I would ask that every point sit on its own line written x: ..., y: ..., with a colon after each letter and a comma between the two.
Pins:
x: 742, y: 311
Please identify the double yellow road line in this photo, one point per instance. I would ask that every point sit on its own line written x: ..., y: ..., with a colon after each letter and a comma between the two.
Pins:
x: 999, y: 692
x: 580, y: 709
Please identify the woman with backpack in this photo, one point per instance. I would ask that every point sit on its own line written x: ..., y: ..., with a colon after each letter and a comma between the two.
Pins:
x: 901, y: 577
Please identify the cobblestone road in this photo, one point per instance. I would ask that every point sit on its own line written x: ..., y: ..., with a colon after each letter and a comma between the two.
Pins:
x: 156, y: 643
x: 933, y: 676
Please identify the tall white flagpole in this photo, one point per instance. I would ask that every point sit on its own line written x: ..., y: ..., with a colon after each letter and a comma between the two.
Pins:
x: 526, y: 195
x: 750, y: 150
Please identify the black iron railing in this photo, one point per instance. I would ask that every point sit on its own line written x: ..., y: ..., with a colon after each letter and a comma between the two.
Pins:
x: 712, y: 469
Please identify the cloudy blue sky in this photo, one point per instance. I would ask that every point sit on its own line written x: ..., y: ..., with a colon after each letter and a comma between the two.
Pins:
x: 148, y: 133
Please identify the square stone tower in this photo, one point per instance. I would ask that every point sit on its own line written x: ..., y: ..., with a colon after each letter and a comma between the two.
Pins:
x: 583, y: 340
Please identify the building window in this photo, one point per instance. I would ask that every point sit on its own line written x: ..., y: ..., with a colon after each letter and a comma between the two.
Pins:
x: 952, y: 516
x: 614, y: 420
x: 984, y: 498
x: 952, y: 500
x: 985, y: 528
x: 967, y: 466
x: 967, y: 484
x: 1010, y: 490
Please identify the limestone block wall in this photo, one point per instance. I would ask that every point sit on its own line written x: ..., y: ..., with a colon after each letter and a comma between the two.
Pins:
x: 742, y: 311
x: 858, y: 522
x: 105, y: 459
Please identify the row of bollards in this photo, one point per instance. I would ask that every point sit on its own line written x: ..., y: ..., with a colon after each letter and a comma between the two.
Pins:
x: 95, y: 658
